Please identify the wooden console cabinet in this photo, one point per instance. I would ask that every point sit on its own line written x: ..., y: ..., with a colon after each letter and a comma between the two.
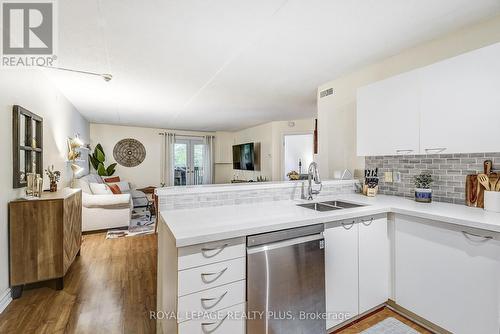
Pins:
x: 44, y: 237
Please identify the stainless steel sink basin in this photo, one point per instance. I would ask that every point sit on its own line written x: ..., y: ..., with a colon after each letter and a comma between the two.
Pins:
x: 330, y: 205
x: 319, y: 207
x: 342, y: 205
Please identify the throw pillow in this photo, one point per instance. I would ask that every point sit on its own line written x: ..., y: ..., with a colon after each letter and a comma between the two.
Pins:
x: 113, y: 179
x: 100, y: 189
x: 114, y: 189
x: 124, y: 186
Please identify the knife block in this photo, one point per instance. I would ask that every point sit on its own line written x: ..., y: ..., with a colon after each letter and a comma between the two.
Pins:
x: 370, y: 192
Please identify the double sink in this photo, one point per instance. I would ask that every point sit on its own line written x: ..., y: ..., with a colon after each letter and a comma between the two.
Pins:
x: 329, y: 206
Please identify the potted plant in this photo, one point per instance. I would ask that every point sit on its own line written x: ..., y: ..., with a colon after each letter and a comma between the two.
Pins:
x: 54, y: 177
x: 423, y: 191
x: 97, y: 159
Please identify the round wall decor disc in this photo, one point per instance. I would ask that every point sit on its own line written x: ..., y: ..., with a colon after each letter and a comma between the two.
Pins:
x: 129, y: 152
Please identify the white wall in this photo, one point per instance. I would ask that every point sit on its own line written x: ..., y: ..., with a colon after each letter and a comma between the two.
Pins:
x: 270, y: 136
x: 280, y: 128
x: 297, y: 148
x: 337, y: 113
x: 33, y: 91
x: 148, y: 172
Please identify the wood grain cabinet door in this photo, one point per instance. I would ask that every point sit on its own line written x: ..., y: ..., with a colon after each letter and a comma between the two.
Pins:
x: 72, y: 228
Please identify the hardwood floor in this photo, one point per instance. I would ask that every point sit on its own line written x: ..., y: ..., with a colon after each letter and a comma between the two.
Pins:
x: 375, y: 318
x: 110, y: 288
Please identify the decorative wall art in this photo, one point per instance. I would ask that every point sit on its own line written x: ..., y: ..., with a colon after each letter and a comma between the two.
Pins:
x: 129, y: 152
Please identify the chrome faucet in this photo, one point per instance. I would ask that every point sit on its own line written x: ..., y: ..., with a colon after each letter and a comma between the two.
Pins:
x: 313, y: 174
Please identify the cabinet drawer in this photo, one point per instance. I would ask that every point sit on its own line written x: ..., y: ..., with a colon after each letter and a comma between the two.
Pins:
x: 227, y: 321
x: 203, y: 254
x: 212, y: 300
x: 212, y: 275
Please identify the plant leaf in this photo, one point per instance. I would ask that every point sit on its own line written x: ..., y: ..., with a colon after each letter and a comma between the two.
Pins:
x: 100, y: 155
x: 99, y: 147
x: 101, y: 170
x: 111, y: 169
x: 94, y: 162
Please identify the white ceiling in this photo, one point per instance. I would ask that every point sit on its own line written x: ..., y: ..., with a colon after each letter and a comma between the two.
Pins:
x: 230, y: 64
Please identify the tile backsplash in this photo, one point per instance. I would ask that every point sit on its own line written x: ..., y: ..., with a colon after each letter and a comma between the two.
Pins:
x: 248, y: 196
x: 448, y: 171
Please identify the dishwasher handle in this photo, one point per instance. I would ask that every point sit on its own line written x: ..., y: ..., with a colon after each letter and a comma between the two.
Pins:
x: 287, y: 243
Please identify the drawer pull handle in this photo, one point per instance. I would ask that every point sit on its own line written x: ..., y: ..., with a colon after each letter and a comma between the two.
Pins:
x: 217, y: 250
x: 205, y: 324
x: 217, y: 301
x: 348, y: 226
x: 403, y: 151
x: 484, y: 237
x: 435, y: 150
x: 367, y: 222
x: 217, y: 275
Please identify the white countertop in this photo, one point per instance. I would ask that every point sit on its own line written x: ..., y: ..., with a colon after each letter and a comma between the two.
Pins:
x: 194, y: 226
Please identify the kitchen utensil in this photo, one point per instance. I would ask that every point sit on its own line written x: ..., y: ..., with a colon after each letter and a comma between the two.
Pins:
x: 471, y: 190
x: 488, y: 165
x: 484, y: 180
x: 493, y: 177
x: 492, y: 201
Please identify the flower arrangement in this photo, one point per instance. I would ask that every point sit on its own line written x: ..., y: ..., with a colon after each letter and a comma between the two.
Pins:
x: 54, y: 177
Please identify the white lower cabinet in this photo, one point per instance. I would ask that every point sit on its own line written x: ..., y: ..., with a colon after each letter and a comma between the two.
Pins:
x: 341, y: 270
x: 374, y: 268
x: 357, y: 267
x: 450, y: 276
x: 226, y: 321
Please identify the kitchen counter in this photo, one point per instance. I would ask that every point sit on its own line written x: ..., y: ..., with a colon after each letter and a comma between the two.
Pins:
x: 194, y: 226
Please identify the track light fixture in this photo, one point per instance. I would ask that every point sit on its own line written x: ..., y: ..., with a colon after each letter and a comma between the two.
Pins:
x: 106, y: 76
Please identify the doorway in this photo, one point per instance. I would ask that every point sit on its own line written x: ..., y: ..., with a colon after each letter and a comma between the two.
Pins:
x: 188, y: 161
x: 297, y: 153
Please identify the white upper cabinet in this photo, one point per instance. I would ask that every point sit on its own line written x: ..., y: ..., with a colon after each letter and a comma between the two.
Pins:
x: 388, y: 116
x: 460, y: 103
x: 452, y: 106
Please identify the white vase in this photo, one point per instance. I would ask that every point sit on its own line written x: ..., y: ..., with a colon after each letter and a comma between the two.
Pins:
x: 492, y: 201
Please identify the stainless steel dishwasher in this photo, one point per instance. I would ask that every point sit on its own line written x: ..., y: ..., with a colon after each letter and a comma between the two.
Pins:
x: 286, y: 282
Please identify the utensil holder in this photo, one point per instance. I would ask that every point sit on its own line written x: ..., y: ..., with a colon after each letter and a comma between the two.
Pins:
x: 492, y: 201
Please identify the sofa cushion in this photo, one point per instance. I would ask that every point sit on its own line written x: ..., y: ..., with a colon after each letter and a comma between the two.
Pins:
x: 100, y: 189
x: 106, y: 201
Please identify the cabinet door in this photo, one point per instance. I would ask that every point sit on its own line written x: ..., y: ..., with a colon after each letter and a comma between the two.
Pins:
x: 388, y: 116
x: 446, y: 277
x: 373, y: 263
x: 460, y: 103
x: 341, y: 270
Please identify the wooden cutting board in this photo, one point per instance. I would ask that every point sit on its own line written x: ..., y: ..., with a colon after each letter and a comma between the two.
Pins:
x: 471, y: 185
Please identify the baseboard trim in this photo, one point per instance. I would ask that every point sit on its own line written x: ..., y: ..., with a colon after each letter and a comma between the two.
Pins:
x: 5, y: 300
x: 416, y: 319
x: 355, y: 319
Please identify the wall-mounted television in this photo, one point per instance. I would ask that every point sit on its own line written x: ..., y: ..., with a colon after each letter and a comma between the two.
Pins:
x: 246, y: 156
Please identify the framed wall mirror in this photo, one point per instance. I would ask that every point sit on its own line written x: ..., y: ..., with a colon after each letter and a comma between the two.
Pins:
x: 27, y: 142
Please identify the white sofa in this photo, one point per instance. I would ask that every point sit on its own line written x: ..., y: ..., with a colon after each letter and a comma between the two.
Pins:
x: 101, y: 212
